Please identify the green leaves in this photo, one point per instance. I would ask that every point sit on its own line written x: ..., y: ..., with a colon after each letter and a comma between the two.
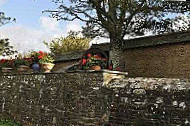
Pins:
x: 68, y: 44
x: 4, y: 19
x: 46, y: 59
x: 8, y: 123
x: 121, y: 17
x: 5, y: 48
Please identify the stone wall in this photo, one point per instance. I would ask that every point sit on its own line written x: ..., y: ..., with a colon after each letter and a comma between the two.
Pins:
x: 150, y: 102
x: 168, y: 60
x: 52, y: 99
x: 80, y: 99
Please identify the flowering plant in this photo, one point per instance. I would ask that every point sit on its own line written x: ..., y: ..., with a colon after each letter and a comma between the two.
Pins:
x: 41, y: 57
x: 36, y: 56
x: 93, y: 60
x: 22, y: 61
x: 6, y: 63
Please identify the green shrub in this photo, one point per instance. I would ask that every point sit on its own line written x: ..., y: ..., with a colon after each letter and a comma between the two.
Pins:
x: 68, y: 44
x: 4, y: 122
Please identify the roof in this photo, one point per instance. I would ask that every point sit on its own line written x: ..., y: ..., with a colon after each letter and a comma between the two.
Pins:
x: 157, y: 40
x: 102, y: 46
x: 69, y: 56
x: 150, y: 40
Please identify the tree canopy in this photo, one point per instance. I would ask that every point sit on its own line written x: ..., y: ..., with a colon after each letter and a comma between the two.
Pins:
x: 5, y: 48
x: 128, y: 16
x: 4, y: 20
x: 118, y: 18
x: 67, y: 44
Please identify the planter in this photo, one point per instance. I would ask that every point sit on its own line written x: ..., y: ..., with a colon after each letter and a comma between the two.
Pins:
x: 97, y: 67
x: 47, y: 67
x: 6, y: 69
x: 36, y: 67
x: 23, y: 69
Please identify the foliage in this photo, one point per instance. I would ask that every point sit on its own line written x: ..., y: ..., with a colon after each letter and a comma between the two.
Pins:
x: 22, y: 61
x: 15, y: 62
x: 41, y: 57
x: 6, y: 63
x: 93, y: 60
x: 28, y: 59
x: 126, y: 17
x: 4, y: 19
x: 8, y: 123
x: 68, y: 44
x: 36, y: 56
x: 46, y: 59
x: 118, y: 18
x: 5, y: 48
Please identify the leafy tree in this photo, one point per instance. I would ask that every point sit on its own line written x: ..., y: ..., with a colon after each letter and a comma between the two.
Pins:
x: 5, y: 48
x: 68, y: 44
x: 4, y: 20
x: 118, y: 18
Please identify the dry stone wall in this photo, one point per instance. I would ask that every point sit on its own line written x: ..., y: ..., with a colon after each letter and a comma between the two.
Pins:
x: 150, y: 102
x: 52, y: 99
x: 79, y: 99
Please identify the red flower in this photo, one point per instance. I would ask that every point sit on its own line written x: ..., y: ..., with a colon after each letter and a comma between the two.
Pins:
x: 39, y: 57
x: 11, y: 61
x: 83, y: 61
x: 41, y: 53
x: 118, y: 69
x: 89, y: 55
x: 3, y: 61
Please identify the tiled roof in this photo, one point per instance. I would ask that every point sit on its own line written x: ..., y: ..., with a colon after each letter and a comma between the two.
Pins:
x: 69, y: 56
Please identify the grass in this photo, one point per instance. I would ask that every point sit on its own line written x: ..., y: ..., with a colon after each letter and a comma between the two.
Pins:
x: 5, y: 122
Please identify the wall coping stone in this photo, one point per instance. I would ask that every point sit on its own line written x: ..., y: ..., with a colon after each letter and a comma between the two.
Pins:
x: 103, y: 71
x: 77, y: 71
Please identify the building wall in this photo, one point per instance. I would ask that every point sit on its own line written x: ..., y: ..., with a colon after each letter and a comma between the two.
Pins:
x: 81, y: 99
x: 164, y: 55
x: 167, y: 60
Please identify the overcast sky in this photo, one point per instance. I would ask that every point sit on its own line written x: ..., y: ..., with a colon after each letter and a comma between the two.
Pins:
x: 32, y: 27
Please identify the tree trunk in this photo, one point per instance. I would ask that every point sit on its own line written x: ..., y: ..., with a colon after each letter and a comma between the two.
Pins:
x: 115, y: 51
